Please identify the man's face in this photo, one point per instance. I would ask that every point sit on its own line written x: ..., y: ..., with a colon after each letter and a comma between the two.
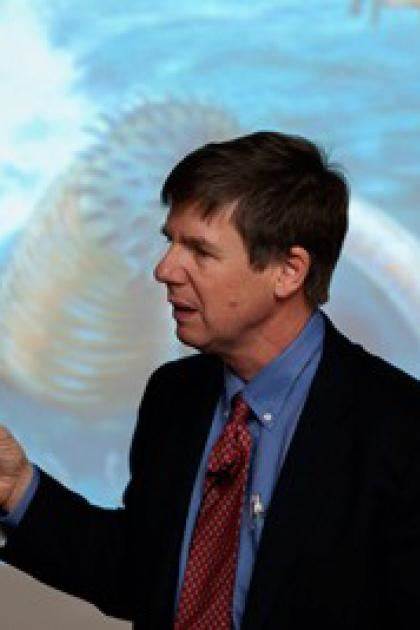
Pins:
x: 220, y: 304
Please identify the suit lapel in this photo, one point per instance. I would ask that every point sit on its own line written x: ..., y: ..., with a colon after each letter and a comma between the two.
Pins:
x: 196, y: 393
x: 307, y: 480
x: 192, y: 430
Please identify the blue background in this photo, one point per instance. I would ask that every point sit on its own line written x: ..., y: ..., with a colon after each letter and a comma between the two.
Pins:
x: 99, y: 100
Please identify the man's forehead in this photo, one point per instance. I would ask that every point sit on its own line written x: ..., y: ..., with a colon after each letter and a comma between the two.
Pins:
x: 193, y: 213
x: 216, y: 232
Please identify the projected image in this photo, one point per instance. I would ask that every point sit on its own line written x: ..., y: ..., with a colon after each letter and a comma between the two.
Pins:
x: 102, y: 101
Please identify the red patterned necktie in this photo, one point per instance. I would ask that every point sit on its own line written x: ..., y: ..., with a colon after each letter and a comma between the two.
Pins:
x: 207, y: 591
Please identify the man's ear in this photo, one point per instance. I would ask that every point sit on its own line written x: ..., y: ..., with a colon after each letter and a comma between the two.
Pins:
x: 292, y: 271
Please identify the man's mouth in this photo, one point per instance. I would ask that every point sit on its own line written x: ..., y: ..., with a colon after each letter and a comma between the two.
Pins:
x: 182, y: 312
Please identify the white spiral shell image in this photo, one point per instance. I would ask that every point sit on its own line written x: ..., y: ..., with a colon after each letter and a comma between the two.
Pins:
x: 385, y: 252
x: 82, y: 320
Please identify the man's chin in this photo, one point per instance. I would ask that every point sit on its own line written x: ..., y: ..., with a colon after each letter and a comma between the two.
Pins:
x: 191, y: 338
x: 188, y: 338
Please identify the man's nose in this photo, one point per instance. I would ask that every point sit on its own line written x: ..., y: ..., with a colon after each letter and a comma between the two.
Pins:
x: 169, y: 270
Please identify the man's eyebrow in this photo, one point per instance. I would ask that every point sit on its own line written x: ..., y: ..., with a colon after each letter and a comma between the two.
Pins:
x: 196, y: 241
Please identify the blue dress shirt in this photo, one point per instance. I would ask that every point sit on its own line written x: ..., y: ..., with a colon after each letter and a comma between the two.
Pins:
x: 276, y: 396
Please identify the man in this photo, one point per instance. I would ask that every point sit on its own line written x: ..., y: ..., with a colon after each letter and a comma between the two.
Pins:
x: 275, y: 475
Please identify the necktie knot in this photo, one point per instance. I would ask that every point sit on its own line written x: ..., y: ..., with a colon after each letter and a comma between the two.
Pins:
x: 240, y: 410
x: 232, y: 447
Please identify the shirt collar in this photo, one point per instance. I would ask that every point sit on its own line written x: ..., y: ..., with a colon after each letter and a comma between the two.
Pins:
x: 267, y: 392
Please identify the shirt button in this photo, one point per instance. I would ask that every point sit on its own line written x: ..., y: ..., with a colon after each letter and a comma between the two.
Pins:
x: 267, y: 418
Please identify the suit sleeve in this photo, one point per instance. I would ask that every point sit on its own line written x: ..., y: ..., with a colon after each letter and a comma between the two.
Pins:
x: 81, y: 549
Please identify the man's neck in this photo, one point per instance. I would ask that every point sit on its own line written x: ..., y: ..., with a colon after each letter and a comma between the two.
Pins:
x: 248, y: 360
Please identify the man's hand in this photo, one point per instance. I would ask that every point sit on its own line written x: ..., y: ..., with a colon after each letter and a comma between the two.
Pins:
x: 15, y: 471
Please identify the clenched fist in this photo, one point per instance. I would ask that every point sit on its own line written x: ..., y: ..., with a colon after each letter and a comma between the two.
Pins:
x: 15, y: 470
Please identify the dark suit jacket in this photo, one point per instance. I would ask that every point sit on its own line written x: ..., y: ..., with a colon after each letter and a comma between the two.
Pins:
x: 341, y: 544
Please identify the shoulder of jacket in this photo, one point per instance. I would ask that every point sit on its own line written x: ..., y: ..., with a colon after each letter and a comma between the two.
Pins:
x: 385, y: 372
x: 196, y: 366
x: 373, y: 372
x: 379, y: 378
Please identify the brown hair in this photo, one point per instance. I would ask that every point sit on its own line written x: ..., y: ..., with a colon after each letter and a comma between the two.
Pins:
x: 286, y: 192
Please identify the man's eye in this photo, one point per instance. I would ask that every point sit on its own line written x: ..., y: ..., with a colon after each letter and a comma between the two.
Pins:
x: 201, y: 252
